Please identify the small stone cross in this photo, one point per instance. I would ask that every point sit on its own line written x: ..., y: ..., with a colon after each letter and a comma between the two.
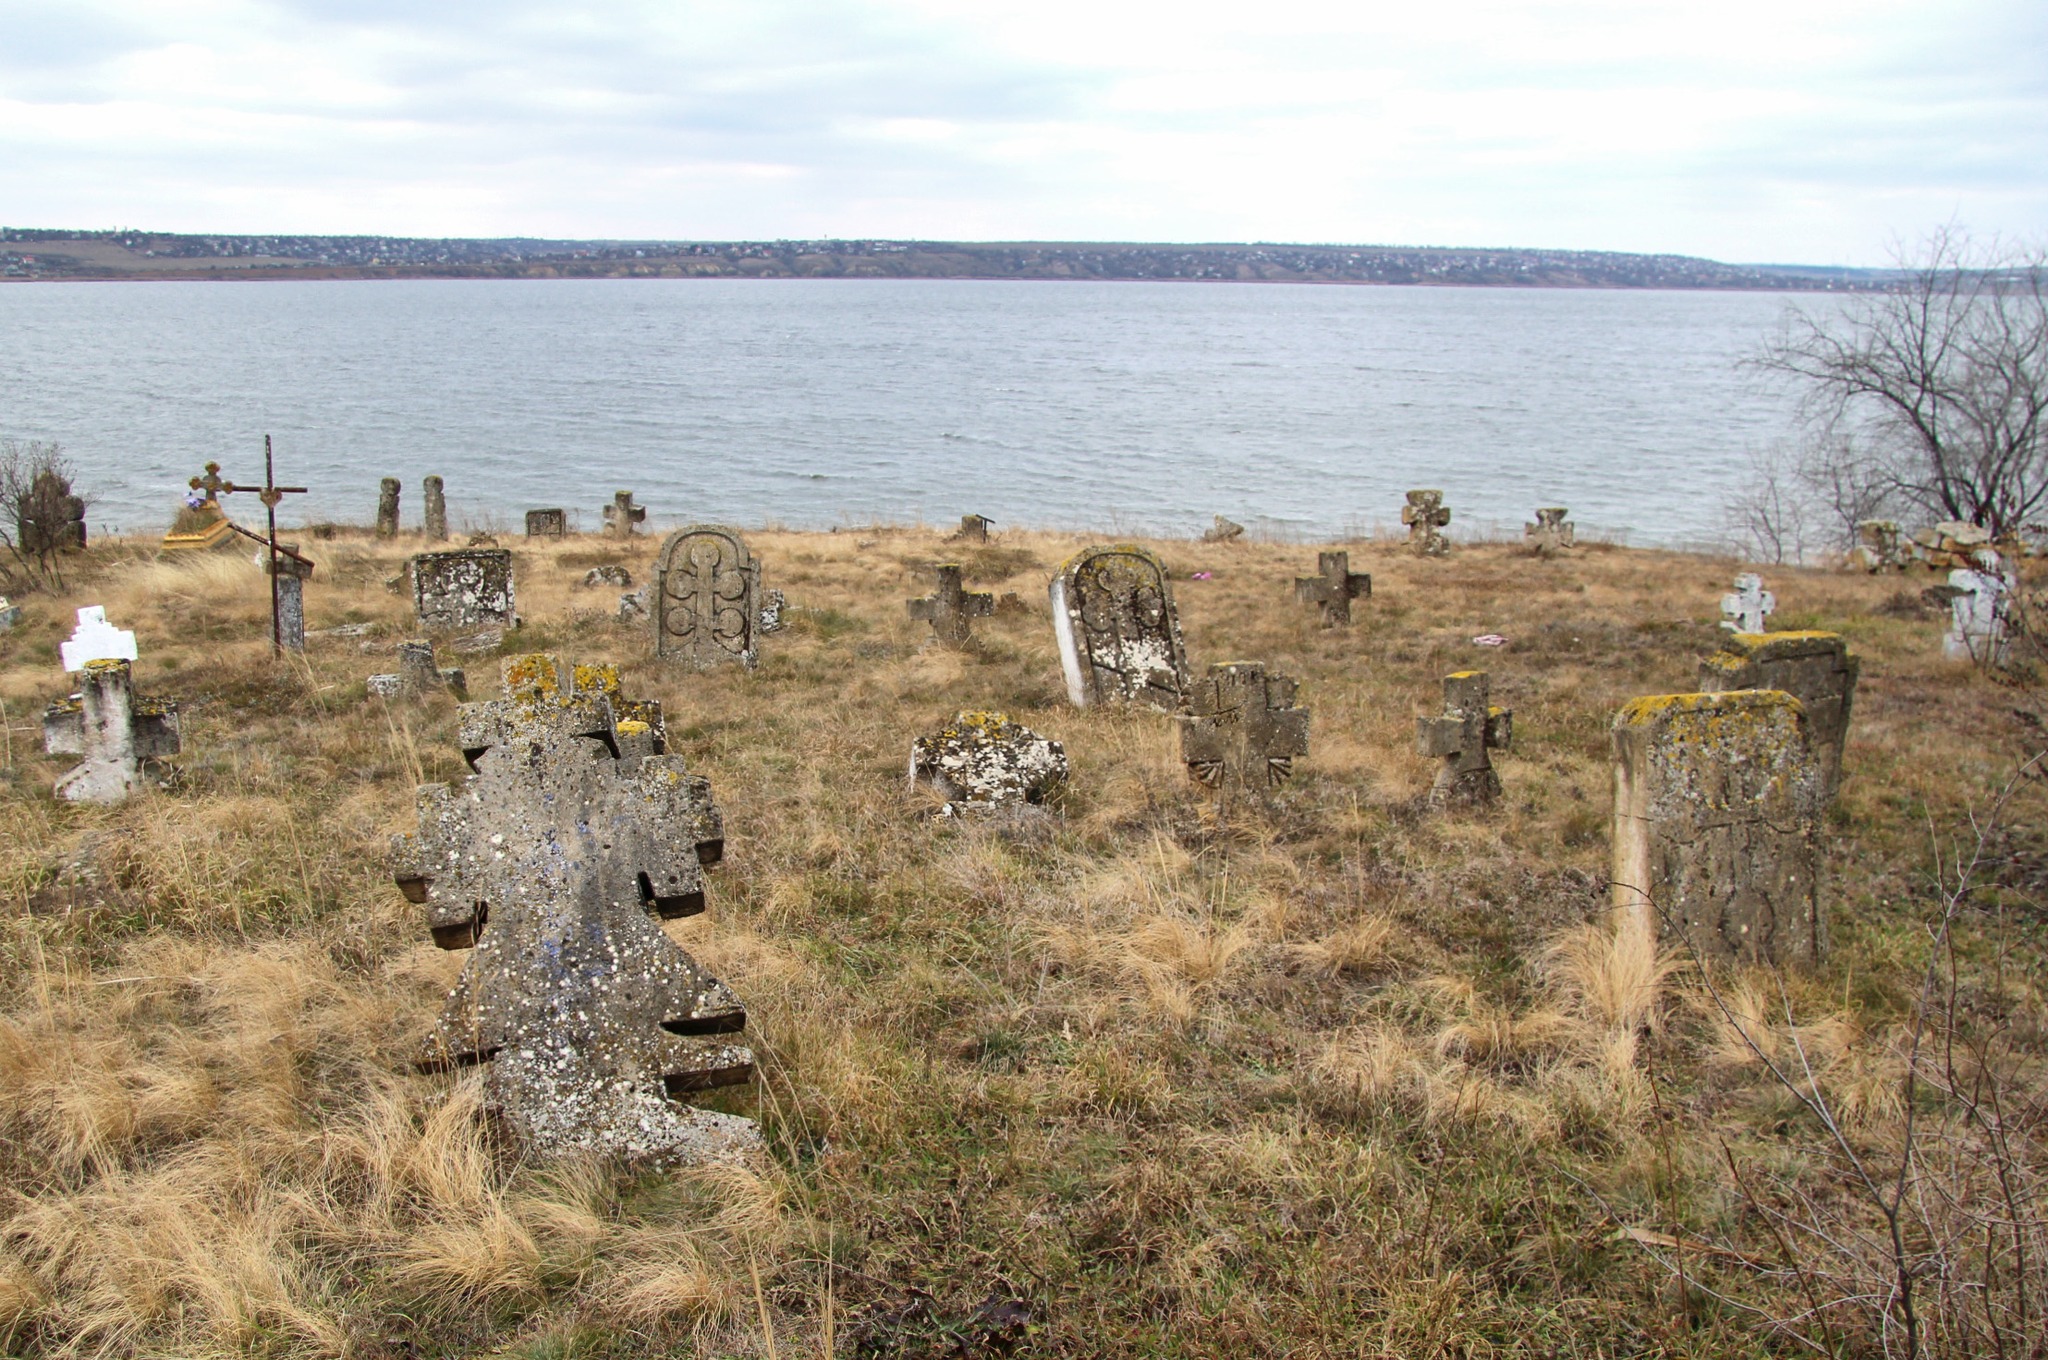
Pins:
x: 1552, y: 533
x: 949, y: 608
x: 1333, y: 587
x: 622, y: 518
x: 1243, y: 730
x: 1469, y: 728
x: 1426, y: 516
x: 1747, y: 606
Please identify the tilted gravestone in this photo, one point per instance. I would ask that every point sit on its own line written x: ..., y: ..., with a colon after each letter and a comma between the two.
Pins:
x: 1333, y: 587
x: 554, y: 861
x: 984, y: 762
x: 1552, y: 533
x: 1464, y: 738
x: 706, y: 593
x: 950, y: 610
x: 387, y: 508
x: 435, y: 499
x: 1817, y: 669
x: 1717, y: 804
x: 1242, y: 731
x: 547, y: 523
x: 1747, y: 608
x: 622, y: 518
x: 1426, y: 515
x: 115, y: 733
x: 1118, y: 633
x: 464, y: 588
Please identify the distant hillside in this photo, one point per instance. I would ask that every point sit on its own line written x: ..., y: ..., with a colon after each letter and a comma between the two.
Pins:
x: 56, y: 254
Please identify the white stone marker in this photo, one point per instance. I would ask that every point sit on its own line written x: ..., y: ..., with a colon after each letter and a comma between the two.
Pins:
x: 1976, y: 630
x: 1748, y: 605
x: 96, y: 640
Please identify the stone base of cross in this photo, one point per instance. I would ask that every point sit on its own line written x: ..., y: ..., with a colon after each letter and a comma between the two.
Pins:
x: 1463, y: 737
x: 1243, y: 731
x: 950, y: 609
x: 1333, y: 587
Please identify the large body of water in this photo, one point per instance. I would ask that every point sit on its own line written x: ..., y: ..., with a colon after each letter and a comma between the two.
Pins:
x: 1303, y: 411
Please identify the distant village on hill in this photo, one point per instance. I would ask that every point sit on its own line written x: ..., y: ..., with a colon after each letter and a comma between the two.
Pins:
x: 27, y: 253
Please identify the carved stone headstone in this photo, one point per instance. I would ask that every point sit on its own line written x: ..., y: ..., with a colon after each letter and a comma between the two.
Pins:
x: 1464, y: 737
x: 1223, y: 531
x: 554, y: 861
x: 115, y: 733
x: 547, y: 523
x: 464, y: 588
x: 622, y: 518
x: 1242, y: 731
x: 1118, y: 633
x: 49, y: 518
x: 1746, y: 608
x: 1426, y: 515
x: 1817, y: 669
x: 1333, y: 587
x: 983, y: 761
x: 1881, y: 545
x: 387, y: 508
x: 950, y: 610
x: 973, y: 529
x: 435, y: 500
x: 1552, y: 533
x: 1717, y: 804
x: 1978, y: 601
x: 706, y: 591
x: 289, y: 625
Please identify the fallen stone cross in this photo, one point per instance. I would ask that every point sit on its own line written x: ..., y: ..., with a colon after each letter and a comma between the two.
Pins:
x: 1242, y: 730
x: 1464, y: 737
x: 116, y: 734
x: 1717, y: 804
x: 983, y: 762
x: 950, y: 610
x: 1426, y: 515
x: 464, y: 588
x: 1817, y: 669
x: 547, y: 523
x: 706, y: 595
x: 387, y: 508
x: 418, y: 674
x: 1978, y: 604
x: 1881, y: 545
x: 1333, y: 587
x: 1223, y: 531
x: 435, y: 500
x: 1118, y: 633
x: 554, y: 861
x: 622, y: 518
x: 1552, y: 533
x: 1746, y: 608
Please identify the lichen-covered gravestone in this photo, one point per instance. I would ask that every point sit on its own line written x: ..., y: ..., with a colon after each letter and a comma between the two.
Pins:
x: 1977, y: 617
x: 435, y: 500
x: 554, y: 861
x: 116, y: 734
x: 547, y: 523
x: 706, y: 591
x: 1818, y: 669
x: 1464, y: 737
x: 387, y: 508
x: 1332, y: 589
x: 1717, y: 803
x: 983, y: 762
x: 464, y: 588
x: 950, y: 610
x: 1426, y: 515
x: 1242, y: 730
x: 1746, y: 608
x: 1552, y: 533
x: 1118, y: 633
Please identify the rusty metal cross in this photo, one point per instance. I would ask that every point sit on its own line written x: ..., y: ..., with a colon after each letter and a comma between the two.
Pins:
x: 270, y: 493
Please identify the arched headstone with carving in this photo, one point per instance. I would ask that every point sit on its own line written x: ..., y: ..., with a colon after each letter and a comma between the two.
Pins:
x: 1119, y: 637
x: 706, y: 597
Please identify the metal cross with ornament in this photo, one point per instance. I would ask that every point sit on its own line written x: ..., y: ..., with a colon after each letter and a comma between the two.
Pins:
x: 270, y: 493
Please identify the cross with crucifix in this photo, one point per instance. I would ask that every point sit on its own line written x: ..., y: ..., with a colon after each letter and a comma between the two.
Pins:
x: 948, y: 608
x: 1469, y: 728
x: 1243, y: 730
x: 1334, y: 586
x: 270, y: 493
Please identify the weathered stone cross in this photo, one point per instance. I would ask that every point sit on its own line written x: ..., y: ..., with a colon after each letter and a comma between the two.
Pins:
x: 1469, y: 728
x: 622, y: 518
x: 1243, y: 730
x: 1748, y: 605
x: 1333, y: 587
x: 949, y: 608
x: 1426, y: 516
x: 1552, y: 533
x: 113, y: 730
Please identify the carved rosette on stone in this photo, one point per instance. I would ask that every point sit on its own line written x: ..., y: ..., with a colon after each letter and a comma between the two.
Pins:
x: 553, y: 862
x: 983, y: 762
x: 1469, y: 730
x: 1118, y: 633
x: 1242, y: 730
x: 1817, y: 669
x: 706, y: 593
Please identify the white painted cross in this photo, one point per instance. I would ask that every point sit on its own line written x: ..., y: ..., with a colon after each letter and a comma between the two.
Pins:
x: 96, y: 640
x: 1748, y: 605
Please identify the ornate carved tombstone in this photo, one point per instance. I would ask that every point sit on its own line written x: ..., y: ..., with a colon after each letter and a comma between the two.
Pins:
x: 1333, y: 587
x: 435, y: 499
x: 1464, y: 737
x: 116, y: 734
x: 950, y: 610
x: 706, y: 593
x: 1552, y: 533
x: 387, y: 508
x: 983, y: 762
x: 1425, y: 515
x: 554, y: 861
x: 464, y: 588
x: 1119, y: 637
x: 622, y: 518
x: 547, y: 523
x: 1717, y: 802
x: 1242, y: 731
x: 1817, y: 669
x: 1746, y: 608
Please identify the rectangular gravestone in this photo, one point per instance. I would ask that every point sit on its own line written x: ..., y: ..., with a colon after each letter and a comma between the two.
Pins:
x: 547, y: 523
x: 1818, y: 669
x: 707, y: 598
x: 387, y: 507
x: 464, y: 588
x: 435, y: 500
x: 1118, y: 633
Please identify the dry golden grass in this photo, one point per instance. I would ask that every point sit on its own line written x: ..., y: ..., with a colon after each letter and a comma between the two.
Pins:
x: 1335, y: 1077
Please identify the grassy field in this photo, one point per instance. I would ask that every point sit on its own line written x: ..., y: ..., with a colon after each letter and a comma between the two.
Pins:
x: 1337, y: 1077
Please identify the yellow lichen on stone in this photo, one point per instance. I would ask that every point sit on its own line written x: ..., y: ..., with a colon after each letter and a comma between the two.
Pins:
x: 103, y: 665
x: 631, y: 727
x: 534, y: 677
x: 596, y: 678
x: 1461, y: 675
x: 1742, y: 705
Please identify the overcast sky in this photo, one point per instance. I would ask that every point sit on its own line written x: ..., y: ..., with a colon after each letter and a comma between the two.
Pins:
x: 1750, y: 130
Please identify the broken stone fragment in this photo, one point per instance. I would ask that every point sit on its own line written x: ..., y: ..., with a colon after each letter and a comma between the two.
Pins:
x: 983, y: 761
x: 608, y: 575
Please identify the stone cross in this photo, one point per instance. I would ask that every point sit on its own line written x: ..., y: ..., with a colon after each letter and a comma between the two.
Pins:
x: 1333, y: 587
x: 1817, y: 669
x: 547, y: 523
x: 1118, y: 632
x: 202, y: 525
x: 1747, y: 606
x: 1463, y: 737
x: 706, y: 594
x: 622, y: 518
x: 1552, y: 533
x: 94, y: 639
x: 1978, y: 605
x: 554, y: 862
x: 982, y: 762
x: 1717, y: 806
x: 464, y: 588
x: 1242, y: 731
x: 949, y: 609
x: 387, y: 508
x: 1880, y: 546
x: 418, y: 674
x: 1425, y: 515
x: 1223, y: 531
x: 114, y: 732
x: 436, y: 501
